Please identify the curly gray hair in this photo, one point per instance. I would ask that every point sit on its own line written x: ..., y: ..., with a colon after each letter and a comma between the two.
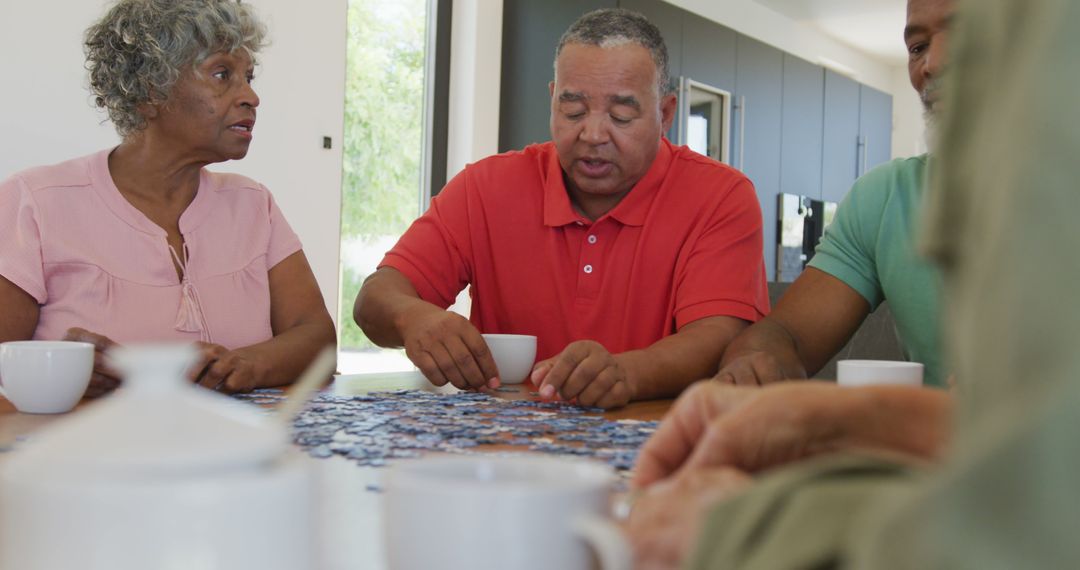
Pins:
x: 138, y: 50
x: 610, y: 27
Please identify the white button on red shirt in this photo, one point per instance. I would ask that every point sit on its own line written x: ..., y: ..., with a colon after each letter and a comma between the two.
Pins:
x: 588, y: 269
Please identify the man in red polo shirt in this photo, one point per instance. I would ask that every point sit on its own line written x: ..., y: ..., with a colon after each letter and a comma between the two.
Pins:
x: 633, y: 261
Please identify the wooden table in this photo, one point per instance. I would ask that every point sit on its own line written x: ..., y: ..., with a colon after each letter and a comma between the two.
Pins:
x: 349, y: 534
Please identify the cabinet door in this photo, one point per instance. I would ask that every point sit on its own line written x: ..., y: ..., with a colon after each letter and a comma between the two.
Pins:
x: 840, y: 151
x: 531, y: 30
x: 875, y: 124
x: 756, y: 134
x: 669, y: 20
x: 802, y: 116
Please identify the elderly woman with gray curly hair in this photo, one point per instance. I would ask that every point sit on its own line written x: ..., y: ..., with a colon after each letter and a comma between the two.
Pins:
x: 141, y: 242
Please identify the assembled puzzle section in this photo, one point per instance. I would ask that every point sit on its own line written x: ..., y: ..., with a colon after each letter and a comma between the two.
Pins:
x: 375, y: 428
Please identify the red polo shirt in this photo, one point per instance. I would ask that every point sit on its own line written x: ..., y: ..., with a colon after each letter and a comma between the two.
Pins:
x: 685, y: 243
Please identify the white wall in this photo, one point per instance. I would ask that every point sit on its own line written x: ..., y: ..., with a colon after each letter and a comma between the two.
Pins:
x: 475, y: 69
x: 301, y: 85
x: 46, y: 112
x: 909, y: 130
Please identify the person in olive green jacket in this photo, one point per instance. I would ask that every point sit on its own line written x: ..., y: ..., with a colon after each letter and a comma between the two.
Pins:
x: 1001, y: 224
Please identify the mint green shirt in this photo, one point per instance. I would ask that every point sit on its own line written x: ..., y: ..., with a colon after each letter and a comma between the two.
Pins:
x: 870, y: 246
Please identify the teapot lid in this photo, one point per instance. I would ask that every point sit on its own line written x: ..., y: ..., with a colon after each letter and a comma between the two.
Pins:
x: 157, y: 423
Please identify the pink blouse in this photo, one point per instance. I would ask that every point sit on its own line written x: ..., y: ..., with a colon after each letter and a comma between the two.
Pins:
x: 92, y: 260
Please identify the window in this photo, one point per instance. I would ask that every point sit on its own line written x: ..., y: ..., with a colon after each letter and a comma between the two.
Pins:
x: 386, y: 170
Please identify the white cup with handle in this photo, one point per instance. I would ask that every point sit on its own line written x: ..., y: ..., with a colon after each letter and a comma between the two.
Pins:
x: 489, y: 512
x: 45, y: 377
x: 878, y: 373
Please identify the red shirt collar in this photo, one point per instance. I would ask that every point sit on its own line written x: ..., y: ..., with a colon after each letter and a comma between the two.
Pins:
x: 631, y: 211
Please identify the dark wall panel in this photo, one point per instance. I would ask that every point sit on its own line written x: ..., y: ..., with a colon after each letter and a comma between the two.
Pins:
x: 875, y: 123
x: 669, y: 20
x: 840, y: 146
x: 708, y: 52
x: 757, y: 128
x: 801, y: 124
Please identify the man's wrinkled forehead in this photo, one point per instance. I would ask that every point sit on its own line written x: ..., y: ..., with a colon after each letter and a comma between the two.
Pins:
x: 640, y: 67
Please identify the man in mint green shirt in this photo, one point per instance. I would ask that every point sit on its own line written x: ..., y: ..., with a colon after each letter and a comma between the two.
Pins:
x: 866, y: 256
x: 870, y: 247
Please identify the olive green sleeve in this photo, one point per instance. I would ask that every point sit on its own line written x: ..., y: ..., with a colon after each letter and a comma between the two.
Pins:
x: 797, y: 517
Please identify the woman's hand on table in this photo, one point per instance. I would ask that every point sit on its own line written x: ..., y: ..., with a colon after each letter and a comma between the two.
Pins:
x: 224, y: 370
x: 104, y: 379
x: 667, y: 518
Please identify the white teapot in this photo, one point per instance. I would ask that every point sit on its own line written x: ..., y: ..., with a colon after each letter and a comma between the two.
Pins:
x: 161, y: 475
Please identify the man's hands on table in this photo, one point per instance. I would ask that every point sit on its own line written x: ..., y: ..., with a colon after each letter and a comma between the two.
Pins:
x: 448, y: 349
x: 586, y: 372
x: 445, y: 346
x: 757, y: 368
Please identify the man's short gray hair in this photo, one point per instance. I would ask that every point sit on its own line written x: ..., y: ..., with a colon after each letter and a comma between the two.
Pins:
x: 138, y: 50
x: 609, y: 27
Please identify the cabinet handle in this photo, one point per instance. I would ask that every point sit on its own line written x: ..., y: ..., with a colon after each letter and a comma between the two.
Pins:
x: 858, y: 155
x: 742, y: 130
x: 865, y: 145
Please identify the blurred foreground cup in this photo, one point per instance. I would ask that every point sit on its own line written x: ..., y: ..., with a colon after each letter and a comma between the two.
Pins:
x: 879, y: 372
x: 161, y: 474
x: 45, y: 377
x: 481, y: 513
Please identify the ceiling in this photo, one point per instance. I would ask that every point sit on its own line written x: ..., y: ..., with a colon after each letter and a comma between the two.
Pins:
x: 875, y: 27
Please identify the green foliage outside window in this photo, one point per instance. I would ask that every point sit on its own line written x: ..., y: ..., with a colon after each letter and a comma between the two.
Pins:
x: 384, y: 98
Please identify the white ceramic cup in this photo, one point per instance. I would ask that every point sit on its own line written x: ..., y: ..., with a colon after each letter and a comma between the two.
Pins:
x: 878, y: 372
x: 487, y: 513
x: 45, y: 377
x: 514, y: 355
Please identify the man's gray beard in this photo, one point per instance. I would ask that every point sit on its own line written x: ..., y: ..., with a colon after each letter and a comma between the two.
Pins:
x: 931, y: 119
x: 930, y: 135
